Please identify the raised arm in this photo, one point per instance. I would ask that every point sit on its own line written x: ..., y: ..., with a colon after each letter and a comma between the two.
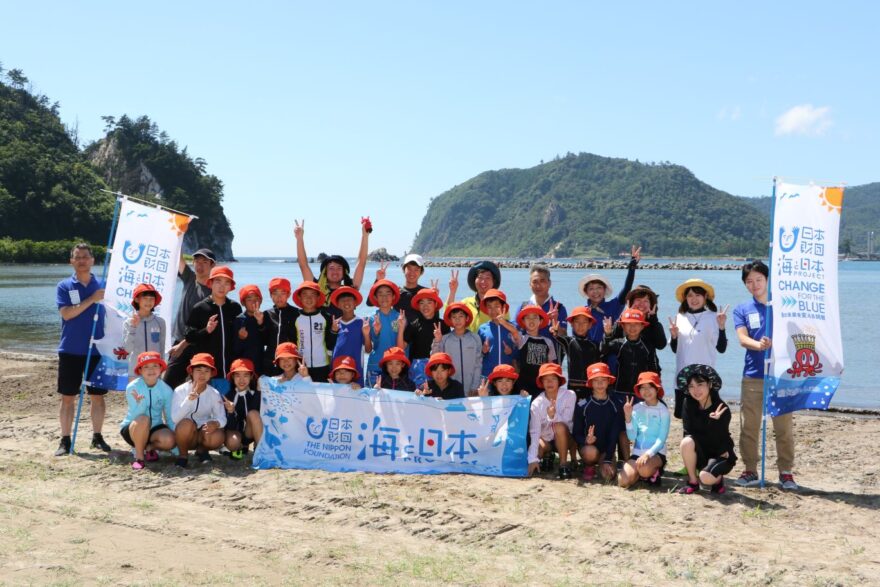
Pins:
x: 299, y: 228
x: 358, y: 276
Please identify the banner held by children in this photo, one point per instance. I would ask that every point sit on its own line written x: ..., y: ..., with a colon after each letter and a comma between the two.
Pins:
x: 146, y: 250
x: 807, y: 352
x: 331, y: 427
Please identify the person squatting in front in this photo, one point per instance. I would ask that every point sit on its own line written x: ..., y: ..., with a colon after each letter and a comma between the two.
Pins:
x: 244, y: 425
x: 198, y: 412
x: 550, y: 422
x: 148, y: 425
x: 647, y: 427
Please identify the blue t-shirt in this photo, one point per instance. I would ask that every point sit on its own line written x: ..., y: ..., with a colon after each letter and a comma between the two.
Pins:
x: 387, y: 337
x: 75, y: 333
x: 350, y: 343
x: 752, y: 315
x: 497, y: 336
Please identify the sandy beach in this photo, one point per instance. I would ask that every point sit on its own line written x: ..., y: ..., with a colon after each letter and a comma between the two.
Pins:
x: 89, y: 519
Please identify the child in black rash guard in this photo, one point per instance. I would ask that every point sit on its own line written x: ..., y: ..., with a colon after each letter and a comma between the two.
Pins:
x: 441, y: 385
x: 598, y: 421
x: 707, y: 444
x: 534, y: 349
x: 279, y: 323
x: 416, y: 333
x: 395, y: 371
x: 243, y: 422
x: 581, y: 351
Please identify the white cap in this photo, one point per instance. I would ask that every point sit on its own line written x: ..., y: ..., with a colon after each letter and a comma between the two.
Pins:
x: 413, y: 258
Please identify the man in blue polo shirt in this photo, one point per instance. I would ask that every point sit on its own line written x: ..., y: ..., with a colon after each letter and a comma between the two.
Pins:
x: 539, y: 282
x: 752, y: 331
x: 78, y: 298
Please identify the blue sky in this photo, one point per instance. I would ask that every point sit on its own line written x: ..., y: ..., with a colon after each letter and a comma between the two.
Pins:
x: 331, y: 111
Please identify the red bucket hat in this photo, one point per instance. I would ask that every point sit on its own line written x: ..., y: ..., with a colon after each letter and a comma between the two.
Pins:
x: 599, y: 370
x: 388, y: 283
x: 145, y: 288
x: 202, y: 360
x: 221, y: 271
x: 549, y: 369
x: 496, y: 294
x: 279, y: 283
x: 344, y: 362
x: 149, y: 358
x: 457, y: 306
x: 286, y: 350
x: 633, y: 316
x: 346, y: 290
x: 428, y: 293
x: 394, y: 353
x: 582, y: 311
x: 503, y: 372
x: 248, y: 290
x: 240, y: 366
x: 532, y: 309
x: 440, y: 359
x: 297, y: 299
x: 653, y: 379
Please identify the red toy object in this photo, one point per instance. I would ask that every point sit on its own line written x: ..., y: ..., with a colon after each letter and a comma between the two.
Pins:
x: 367, y: 224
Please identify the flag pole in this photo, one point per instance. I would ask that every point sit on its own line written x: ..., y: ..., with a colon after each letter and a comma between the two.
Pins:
x: 82, y: 388
x: 768, y: 315
x: 149, y: 203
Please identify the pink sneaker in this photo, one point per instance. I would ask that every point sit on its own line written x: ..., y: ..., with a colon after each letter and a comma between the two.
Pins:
x: 138, y: 465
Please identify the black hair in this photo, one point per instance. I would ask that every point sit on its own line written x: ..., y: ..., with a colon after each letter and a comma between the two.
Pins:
x: 755, y: 265
x: 82, y: 247
x: 137, y: 305
x: 684, y: 308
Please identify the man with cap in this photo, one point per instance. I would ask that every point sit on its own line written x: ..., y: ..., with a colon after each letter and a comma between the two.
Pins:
x: 481, y: 277
x: 413, y: 268
x: 195, y: 289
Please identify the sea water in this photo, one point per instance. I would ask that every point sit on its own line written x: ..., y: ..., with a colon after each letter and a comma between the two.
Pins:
x: 29, y: 319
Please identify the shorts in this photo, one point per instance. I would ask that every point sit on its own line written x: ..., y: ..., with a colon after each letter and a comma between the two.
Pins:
x: 126, y: 434
x: 715, y: 466
x: 661, y: 455
x: 70, y: 373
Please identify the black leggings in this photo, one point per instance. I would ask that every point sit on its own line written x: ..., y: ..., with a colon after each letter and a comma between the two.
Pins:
x: 717, y: 466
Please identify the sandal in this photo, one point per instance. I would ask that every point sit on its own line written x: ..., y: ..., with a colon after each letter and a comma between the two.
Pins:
x: 689, y: 489
x: 719, y: 487
x: 137, y: 465
x: 151, y: 456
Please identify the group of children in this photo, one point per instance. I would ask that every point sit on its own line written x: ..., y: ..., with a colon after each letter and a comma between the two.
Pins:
x: 612, y: 407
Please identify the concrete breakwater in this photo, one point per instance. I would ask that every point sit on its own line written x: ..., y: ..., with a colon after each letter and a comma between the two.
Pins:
x: 525, y: 264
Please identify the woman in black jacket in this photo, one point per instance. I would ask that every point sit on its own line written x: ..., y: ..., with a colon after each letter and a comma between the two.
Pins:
x: 707, y: 444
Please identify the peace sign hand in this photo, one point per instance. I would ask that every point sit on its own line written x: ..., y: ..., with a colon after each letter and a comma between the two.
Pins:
x: 553, y: 314
x: 438, y: 333
x: 486, y: 347
x: 453, y: 282
x: 435, y: 284
x: 401, y: 322
x: 551, y: 410
x: 303, y: 370
x: 607, y: 325
x: 365, y: 329
x: 135, y: 320
x: 378, y: 384
x: 718, y: 411
x: 230, y: 407
x: 377, y: 324
x: 554, y: 327
x: 299, y: 228
x: 651, y: 312
x: 335, y: 326
x: 628, y: 409
x: 425, y: 389
x: 722, y: 316
x: 591, y: 435
x: 381, y: 271
x: 673, y: 328
x: 483, y: 390
x: 258, y: 315
x: 636, y: 253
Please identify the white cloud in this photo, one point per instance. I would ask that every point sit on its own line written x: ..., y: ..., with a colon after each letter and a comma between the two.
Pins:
x: 804, y: 120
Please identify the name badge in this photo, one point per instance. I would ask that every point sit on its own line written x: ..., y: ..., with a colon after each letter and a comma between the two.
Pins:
x: 74, y: 297
x: 754, y: 320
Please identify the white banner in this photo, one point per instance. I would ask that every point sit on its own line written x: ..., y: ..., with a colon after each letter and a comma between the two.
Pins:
x: 329, y: 426
x: 146, y: 250
x: 807, y: 352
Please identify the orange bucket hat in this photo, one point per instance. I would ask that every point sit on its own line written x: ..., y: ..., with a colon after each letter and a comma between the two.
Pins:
x: 297, y: 297
x: 248, y: 290
x: 428, y: 293
x: 346, y: 290
x: 394, y: 353
x: 653, y: 379
x: 240, y: 366
x: 221, y: 271
x: 549, y: 369
x: 145, y: 288
x: 496, y: 294
x: 532, y: 309
x: 599, y: 370
x: 503, y: 372
x: 202, y: 360
x: 346, y: 363
x: 440, y: 359
x: 287, y: 350
x: 149, y: 358
x: 387, y: 283
x: 447, y: 315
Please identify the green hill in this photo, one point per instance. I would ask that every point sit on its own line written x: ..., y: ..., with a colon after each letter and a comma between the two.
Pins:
x: 587, y: 205
x: 50, y: 188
